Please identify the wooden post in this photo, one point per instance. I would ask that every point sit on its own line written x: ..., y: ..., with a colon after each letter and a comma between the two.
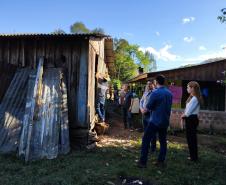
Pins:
x: 83, y: 91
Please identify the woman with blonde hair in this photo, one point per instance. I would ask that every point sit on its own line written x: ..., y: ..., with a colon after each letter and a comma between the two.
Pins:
x: 190, y: 116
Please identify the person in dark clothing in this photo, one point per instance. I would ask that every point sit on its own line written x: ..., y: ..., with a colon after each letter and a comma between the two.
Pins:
x: 126, y: 106
x: 102, y: 87
x: 159, y: 103
x: 190, y: 116
x: 116, y: 95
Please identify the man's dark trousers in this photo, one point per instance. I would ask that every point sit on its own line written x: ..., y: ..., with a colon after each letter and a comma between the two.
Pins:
x: 146, y: 119
x: 149, y: 134
x: 100, y: 108
x: 127, y: 117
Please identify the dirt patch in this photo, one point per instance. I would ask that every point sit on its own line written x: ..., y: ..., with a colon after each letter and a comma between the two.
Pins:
x: 118, y: 136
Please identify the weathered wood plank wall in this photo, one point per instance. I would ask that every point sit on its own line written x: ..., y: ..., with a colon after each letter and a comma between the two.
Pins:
x: 76, y: 55
x: 58, y: 52
x: 96, y: 62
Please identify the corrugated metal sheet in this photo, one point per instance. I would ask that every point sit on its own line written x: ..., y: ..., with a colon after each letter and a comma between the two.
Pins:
x: 34, y: 114
x: 12, y: 111
x: 206, y: 71
x: 53, y: 35
x: 47, y: 134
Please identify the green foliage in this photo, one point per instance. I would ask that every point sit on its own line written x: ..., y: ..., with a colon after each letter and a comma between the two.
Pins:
x: 222, y: 18
x: 116, y: 83
x: 98, y: 31
x: 125, y: 67
x: 58, y: 31
x: 128, y: 57
x: 152, y: 62
x: 79, y: 27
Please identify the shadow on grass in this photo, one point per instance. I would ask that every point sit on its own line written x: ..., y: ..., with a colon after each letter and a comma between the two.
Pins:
x: 111, y: 165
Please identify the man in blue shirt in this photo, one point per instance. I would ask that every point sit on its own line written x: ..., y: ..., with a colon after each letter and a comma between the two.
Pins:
x: 159, y: 103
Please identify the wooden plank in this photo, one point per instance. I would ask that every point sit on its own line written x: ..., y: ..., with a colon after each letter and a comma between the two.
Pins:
x: 82, y: 94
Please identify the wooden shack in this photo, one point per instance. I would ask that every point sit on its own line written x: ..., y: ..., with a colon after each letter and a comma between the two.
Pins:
x: 80, y: 56
x: 208, y: 74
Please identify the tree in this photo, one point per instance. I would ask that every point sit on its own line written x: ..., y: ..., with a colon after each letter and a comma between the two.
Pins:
x: 124, y: 65
x: 222, y: 18
x: 152, y: 62
x: 128, y: 58
x: 98, y: 31
x: 79, y: 27
x: 59, y: 31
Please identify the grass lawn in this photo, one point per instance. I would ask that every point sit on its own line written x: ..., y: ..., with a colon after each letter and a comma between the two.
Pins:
x: 116, y: 159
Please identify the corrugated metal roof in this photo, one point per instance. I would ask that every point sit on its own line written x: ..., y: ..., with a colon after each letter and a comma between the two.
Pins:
x: 54, y: 35
x: 209, y: 61
x: 204, y: 63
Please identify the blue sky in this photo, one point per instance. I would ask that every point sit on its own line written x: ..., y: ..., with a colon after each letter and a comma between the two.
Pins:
x: 177, y: 32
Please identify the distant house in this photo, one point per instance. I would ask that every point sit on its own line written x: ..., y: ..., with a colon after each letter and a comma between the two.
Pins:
x: 208, y: 74
x: 80, y: 55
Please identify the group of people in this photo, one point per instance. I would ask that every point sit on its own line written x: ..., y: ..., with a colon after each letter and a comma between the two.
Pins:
x: 155, y: 106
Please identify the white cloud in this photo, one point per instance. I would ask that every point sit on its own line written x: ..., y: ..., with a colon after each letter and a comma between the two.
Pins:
x: 163, y: 53
x: 128, y: 34
x: 188, y: 20
x: 157, y: 33
x: 208, y: 56
x: 202, y: 48
x: 223, y: 46
x: 192, y: 18
x: 188, y: 39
